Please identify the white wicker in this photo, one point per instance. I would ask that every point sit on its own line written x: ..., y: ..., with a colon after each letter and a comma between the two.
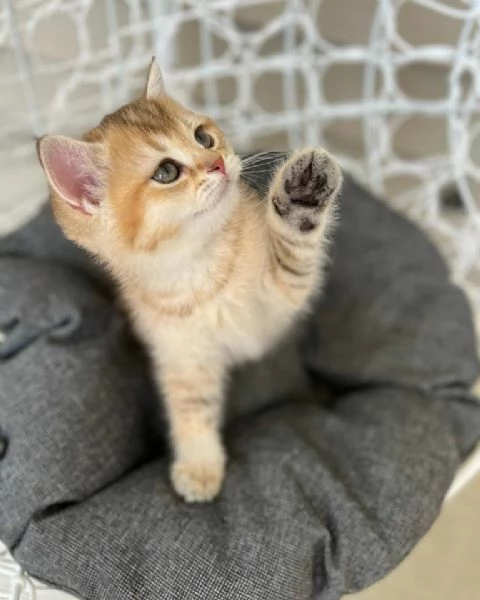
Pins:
x: 391, y: 86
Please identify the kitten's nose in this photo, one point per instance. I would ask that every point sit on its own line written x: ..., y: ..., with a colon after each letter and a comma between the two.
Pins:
x: 217, y: 165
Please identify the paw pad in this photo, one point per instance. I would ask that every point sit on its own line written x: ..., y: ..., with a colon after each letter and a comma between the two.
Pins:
x: 309, y: 180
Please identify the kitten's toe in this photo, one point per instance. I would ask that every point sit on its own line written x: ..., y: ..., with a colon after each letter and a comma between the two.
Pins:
x: 198, y: 481
x: 309, y: 181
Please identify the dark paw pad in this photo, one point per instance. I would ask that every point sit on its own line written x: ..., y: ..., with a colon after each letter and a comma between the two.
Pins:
x: 309, y: 181
x: 306, y: 225
x: 312, y: 179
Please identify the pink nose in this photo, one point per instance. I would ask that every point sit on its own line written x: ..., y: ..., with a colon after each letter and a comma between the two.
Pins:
x: 217, y: 165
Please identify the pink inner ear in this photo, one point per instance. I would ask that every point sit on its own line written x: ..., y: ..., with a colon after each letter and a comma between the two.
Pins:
x: 72, y: 173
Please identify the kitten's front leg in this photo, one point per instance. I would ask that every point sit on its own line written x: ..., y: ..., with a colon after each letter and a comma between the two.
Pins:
x: 300, y: 210
x: 193, y: 398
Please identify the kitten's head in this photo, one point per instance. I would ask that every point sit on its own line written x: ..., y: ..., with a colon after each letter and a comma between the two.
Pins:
x: 150, y: 173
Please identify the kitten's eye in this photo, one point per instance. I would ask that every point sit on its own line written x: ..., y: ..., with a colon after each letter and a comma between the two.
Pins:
x: 167, y: 172
x: 204, y: 138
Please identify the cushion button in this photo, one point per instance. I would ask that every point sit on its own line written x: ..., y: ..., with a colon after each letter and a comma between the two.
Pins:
x: 3, y: 446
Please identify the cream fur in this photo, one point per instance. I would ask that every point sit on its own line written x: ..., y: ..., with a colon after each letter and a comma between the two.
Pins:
x: 227, y: 277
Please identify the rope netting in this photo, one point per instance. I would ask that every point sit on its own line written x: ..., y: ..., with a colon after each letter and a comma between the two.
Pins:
x: 391, y: 86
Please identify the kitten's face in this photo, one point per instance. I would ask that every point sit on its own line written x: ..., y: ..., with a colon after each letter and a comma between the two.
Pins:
x: 151, y: 173
x: 169, y: 170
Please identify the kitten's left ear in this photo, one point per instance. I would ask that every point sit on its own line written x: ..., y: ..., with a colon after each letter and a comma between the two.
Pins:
x: 155, y: 87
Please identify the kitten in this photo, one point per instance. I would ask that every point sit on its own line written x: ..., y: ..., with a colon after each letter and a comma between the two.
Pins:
x: 211, y: 275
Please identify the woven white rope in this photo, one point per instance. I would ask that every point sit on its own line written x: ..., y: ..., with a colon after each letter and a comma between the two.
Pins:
x: 264, y: 69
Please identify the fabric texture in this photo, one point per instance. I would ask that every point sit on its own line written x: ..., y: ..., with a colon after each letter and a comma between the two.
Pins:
x: 342, y: 442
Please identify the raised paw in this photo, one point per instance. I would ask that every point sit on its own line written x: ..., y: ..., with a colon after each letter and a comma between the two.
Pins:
x: 305, y: 186
x: 196, y: 480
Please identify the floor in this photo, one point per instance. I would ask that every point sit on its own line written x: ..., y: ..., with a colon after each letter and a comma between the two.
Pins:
x: 445, y: 565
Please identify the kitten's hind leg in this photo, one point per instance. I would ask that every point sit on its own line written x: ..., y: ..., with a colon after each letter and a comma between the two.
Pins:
x: 300, y: 211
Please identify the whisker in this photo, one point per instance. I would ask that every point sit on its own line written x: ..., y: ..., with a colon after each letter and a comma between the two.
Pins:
x: 258, y: 157
x: 252, y: 167
x: 261, y: 159
x: 255, y: 171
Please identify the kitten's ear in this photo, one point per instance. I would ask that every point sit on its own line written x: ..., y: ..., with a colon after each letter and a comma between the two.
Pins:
x: 73, y: 171
x: 155, y: 87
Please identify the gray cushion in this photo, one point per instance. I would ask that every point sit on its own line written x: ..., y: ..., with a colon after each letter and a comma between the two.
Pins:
x: 342, y: 442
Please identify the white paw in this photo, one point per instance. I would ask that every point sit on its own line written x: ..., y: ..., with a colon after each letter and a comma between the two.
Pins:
x: 198, y: 480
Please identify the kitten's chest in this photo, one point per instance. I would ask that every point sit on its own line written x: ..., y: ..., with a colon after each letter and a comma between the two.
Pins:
x: 234, y: 327
x: 246, y: 331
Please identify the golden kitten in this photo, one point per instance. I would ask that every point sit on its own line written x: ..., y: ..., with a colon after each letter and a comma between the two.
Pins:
x: 211, y: 275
